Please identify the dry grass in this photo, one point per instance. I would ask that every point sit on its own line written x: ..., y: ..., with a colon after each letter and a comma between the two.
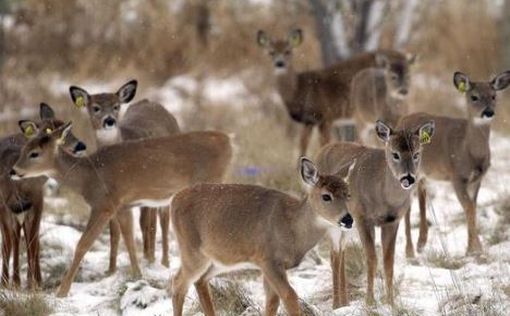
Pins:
x: 439, y: 259
x: 17, y: 304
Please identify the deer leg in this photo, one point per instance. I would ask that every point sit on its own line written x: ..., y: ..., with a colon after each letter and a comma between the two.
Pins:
x: 114, y: 245
x: 204, y: 296
x: 388, y: 238
x: 325, y: 132
x: 15, y: 255
x: 6, y: 251
x: 272, y: 300
x: 469, y: 206
x: 409, y: 238
x: 193, y: 267
x: 306, y: 133
x: 125, y: 218
x: 277, y: 279
x: 31, y: 228
x: 151, y: 244
x: 338, y: 271
x: 148, y: 227
x: 424, y: 226
x: 366, y: 233
x: 164, y: 221
x: 97, y: 222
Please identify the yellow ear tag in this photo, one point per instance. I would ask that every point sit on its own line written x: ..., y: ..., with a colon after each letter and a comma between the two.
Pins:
x: 424, y: 137
x: 80, y: 102
x: 462, y: 87
x: 49, y: 130
x: 61, y: 140
x: 28, y: 131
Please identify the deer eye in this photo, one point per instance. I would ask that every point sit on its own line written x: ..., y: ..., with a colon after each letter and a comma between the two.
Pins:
x: 394, y: 77
x: 96, y: 109
x: 33, y: 155
x: 326, y: 198
x: 416, y: 156
x: 115, y: 107
x: 396, y: 156
x: 493, y: 97
x: 474, y: 98
x: 272, y: 53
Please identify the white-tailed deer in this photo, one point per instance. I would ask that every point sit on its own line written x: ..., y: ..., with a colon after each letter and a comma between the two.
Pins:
x: 124, y: 175
x: 319, y: 97
x: 379, y: 94
x: 22, y: 201
x: 226, y: 227
x: 380, y: 196
x: 460, y: 152
x: 143, y: 119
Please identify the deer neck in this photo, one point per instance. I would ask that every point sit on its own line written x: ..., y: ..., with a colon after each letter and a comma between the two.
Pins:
x: 286, y: 83
x: 72, y: 171
x: 477, y: 138
x: 309, y: 226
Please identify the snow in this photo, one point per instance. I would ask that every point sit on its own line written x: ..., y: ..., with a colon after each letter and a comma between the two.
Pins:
x: 423, y: 288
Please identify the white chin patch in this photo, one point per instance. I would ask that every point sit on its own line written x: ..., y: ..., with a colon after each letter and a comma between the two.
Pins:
x: 280, y: 71
x: 108, y: 136
x: 398, y: 96
x: 16, y: 177
x: 482, y: 120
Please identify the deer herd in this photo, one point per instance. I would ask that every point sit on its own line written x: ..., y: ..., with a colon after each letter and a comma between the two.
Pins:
x: 144, y: 160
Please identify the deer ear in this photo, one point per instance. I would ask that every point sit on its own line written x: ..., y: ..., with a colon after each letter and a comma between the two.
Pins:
x: 461, y: 82
x: 411, y: 58
x: 62, y: 132
x: 263, y: 39
x: 381, y: 60
x: 295, y: 37
x: 501, y: 81
x: 383, y: 131
x: 28, y: 128
x: 309, y: 172
x: 345, y: 171
x: 426, y: 131
x: 79, y: 96
x: 127, y: 92
x: 46, y: 112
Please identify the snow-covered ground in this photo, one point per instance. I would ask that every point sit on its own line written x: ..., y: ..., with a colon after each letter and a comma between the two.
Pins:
x: 474, y: 286
x: 478, y: 285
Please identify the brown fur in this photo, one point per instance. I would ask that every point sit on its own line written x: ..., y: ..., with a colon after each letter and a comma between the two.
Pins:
x: 460, y: 153
x: 377, y: 198
x: 122, y: 178
x: 25, y: 199
x: 143, y: 119
x: 319, y: 97
x: 227, y: 224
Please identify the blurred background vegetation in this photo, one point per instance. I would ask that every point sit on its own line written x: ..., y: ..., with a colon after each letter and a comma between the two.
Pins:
x: 46, y: 45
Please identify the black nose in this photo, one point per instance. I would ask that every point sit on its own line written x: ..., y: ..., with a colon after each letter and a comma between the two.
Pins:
x: 109, y: 122
x: 80, y: 146
x: 407, y: 181
x: 279, y: 64
x: 488, y: 113
x: 346, y: 221
x: 12, y: 172
x: 403, y: 91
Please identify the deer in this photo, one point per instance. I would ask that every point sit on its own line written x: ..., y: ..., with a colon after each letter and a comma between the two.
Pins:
x: 143, y: 119
x: 379, y: 94
x: 319, y: 97
x: 124, y: 175
x: 460, y: 153
x: 380, y: 185
x: 225, y: 227
x: 22, y: 201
